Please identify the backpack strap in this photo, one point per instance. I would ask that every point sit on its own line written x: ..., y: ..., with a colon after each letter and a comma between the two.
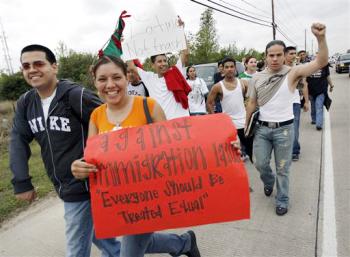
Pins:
x: 147, y: 112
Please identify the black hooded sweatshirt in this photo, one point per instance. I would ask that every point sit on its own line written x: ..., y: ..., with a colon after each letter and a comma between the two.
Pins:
x: 62, y: 138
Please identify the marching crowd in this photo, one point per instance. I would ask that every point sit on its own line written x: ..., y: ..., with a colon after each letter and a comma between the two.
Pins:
x: 60, y: 115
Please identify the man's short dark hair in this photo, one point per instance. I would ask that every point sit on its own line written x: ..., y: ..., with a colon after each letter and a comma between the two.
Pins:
x: 290, y: 48
x: 275, y: 42
x: 49, y: 54
x: 153, y: 57
x: 228, y: 59
x: 219, y: 63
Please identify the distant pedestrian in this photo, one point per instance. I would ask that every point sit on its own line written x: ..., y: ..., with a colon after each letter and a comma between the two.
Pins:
x: 196, y: 98
x: 218, y: 76
x: 273, y: 91
x: 136, y: 86
x: 250, y: 68
x: 260, y: 66
x: 318, y: 90
x: 231, y: 91
x: 302, y: 91
x: 302, y: 57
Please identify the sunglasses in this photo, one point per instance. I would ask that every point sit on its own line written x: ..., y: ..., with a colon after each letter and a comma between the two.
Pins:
x: 35, y: 65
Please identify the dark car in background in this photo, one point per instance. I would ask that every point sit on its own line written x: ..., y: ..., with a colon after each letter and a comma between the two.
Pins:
x: 342, y: 63
x: 206, y: 71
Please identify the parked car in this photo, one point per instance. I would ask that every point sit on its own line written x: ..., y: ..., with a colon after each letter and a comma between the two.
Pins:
x: 206, y: 71
x: 342, y: 63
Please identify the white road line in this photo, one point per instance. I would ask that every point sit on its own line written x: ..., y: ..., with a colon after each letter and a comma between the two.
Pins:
x: 329, y: 241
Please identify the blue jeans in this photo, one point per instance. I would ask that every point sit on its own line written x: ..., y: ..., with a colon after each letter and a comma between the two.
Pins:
x: 317, y: 109
x: 281, y: 141
x: 80, y: 232
x: 138, y: 245
x: 296, y: 112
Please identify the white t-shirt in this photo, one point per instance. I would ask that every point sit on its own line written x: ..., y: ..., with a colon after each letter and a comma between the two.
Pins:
x: 196, y: 99
x: 138, y: 89
x: 296, y: 97
x: 158, y: 90
x: 46, y: 104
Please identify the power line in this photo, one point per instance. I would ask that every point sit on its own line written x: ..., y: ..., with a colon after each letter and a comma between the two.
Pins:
x: 285, y: 36
x: 230, y: 14
x: 257, y: 14
x: 292, y: 18
x: 237, y: 11
x: 250, y: 4
x: 292, y: 12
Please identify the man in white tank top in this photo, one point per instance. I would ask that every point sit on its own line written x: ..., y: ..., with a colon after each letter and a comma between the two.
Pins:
x: 230, y: 91
x: 275, y: 128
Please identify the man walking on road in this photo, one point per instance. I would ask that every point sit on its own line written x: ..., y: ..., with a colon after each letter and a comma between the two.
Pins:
x: 56, y: 114
x: 273, y: 90
x: 318, y: 87
x: 290, y: 55
x: 230, y: 92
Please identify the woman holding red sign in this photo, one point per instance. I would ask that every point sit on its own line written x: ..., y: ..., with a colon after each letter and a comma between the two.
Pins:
x: 120, y: 111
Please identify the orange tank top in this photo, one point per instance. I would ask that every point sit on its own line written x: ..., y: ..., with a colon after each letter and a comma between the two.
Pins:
x: 135, y: 118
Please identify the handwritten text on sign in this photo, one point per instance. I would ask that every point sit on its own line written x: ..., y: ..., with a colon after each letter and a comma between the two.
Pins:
x: 165, y: 175
x: 156, y: 32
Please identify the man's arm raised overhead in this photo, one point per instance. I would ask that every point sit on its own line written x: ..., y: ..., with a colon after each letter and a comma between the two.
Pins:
x: 321, y: 60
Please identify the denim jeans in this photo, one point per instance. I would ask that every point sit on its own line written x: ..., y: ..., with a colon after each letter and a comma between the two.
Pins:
x: 317, y: 109
x: 80, y: 232
x: 296, y: 112
x: 281, y: 141
x: 138, y: 245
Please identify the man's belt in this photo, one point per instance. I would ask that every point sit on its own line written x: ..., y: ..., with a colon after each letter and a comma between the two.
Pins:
x: 275, y: 124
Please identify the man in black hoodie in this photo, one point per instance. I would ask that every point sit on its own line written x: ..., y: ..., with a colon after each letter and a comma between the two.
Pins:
x: 56, y: 114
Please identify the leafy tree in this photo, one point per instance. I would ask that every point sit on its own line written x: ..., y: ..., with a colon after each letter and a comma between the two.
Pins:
x: 205, y: 46
x: 76, y: 67
x: 12, y: 86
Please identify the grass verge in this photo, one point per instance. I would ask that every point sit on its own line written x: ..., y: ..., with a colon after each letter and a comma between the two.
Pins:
x: 9, y: 205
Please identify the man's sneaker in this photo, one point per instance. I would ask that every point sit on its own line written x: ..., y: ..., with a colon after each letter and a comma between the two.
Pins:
x: 313, y: 122
x: 280, y: 211
x: 268, y: 191
x: 194, y: 251
x: 319, y: 128
x: 295, y: 157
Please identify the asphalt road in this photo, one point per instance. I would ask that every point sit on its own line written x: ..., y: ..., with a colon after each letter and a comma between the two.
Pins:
x: 317, y: 223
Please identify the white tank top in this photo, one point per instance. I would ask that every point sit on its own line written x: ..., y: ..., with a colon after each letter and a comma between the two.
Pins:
x: 232, y: 103
x: 280, y: 107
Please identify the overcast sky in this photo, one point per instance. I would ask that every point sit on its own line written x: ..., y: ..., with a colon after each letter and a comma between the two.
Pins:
x: 85, y: 25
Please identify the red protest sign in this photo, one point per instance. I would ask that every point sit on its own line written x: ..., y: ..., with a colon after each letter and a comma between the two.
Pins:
x: 177, y: 173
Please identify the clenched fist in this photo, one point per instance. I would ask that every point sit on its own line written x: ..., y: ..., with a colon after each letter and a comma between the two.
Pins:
x: 318, y: 29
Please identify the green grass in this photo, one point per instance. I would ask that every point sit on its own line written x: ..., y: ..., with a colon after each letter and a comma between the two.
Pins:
x: 9, y: 205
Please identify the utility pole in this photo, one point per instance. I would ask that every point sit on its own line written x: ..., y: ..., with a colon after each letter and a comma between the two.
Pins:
x: 273, y: 21
x: 6, y: 50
